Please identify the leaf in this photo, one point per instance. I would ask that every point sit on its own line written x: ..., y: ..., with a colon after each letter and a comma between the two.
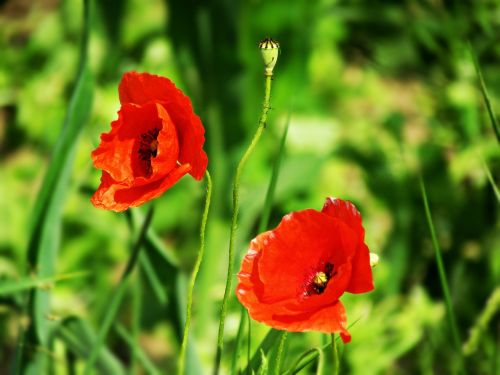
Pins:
x: 141, y: 356
x: 46, y: 225
x: 79, y: 338
x: 265, y: 346
x: 16, y: 286
x: 117, y: 296
x: 263, y: 364
x: 486, y: 98
x: 305, y: 359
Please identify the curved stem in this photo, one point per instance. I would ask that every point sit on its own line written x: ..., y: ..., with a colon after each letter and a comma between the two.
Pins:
x: 201, y: 252
x: 234, y: 219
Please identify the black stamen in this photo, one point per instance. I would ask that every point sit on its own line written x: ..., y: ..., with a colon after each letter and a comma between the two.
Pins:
x: 148, y: 147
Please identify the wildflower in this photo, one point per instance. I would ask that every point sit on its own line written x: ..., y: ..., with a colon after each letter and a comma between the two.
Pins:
x: 293, y: 276
x: 156, y: 140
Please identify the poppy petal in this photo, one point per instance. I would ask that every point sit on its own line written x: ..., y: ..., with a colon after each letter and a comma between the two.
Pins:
x: 310, y: 239
x: 329, y: 319
x: 116, y: 196
x: 345, y: 211
x: 362, y: 279
x: 117, y: 153
x: 293, y: 276
x: 141, y: 88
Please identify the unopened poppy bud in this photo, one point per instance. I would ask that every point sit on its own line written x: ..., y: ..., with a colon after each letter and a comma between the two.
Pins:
x: 270, y: 51
x: 373, y: 259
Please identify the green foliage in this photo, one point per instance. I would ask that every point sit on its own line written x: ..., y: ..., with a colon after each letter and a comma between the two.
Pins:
x: 381, y: 90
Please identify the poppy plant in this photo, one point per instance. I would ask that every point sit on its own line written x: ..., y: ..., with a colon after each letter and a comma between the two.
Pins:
x: 293, y: 276
x: 156, y: 140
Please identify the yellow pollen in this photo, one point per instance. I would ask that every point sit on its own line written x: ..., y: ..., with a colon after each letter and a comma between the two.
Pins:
x: 320, y: 279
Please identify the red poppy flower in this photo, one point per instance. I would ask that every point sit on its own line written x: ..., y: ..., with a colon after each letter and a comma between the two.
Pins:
x: 293, y: 276
x: 156, y: 140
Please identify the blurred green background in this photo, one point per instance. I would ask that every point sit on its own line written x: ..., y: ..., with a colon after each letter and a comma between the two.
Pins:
x: 378, y: 92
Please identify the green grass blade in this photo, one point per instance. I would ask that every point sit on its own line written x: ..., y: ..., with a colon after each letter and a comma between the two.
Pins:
x: 172, y: 291
x: 16, y: 286
x: 277, y: 355
x: 136, y: 318
x: 264, y: 365
x: 118, y: 294
x: 175, y: 292
x: 152, y: 240
x: 481, y: 325
x: 134, y: 218
x: 312, y: 355
x: 46, y: 215
x: 141, y: 356
x: 486, y: 98
x: 238, y: 341
x: 79, y: 338
x: 491, y: 180
x: 305, y: 359
x: 442, y: 276
x: 153, y: 278
x: 264, y: 347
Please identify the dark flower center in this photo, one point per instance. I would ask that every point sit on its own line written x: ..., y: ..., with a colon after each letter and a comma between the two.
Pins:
x: 148, y: 148
x: 319, y: 281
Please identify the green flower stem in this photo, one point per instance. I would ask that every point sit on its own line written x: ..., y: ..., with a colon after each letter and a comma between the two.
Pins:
x: 182, y: 356
x: 442, y: 275
x: 264, y: 222
x: 234, y: 219
x: 118, y: 294
x: 336, y: 360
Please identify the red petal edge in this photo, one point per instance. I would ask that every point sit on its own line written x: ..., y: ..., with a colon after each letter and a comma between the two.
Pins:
x: 362, y: 279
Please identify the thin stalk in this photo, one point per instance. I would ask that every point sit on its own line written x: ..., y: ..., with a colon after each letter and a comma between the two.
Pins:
x: 117, y: 296
x: 336, y: 359
x: 234, y: 219
x: 442, y: 275
x: 201, y: 252
x: 263, y: 224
